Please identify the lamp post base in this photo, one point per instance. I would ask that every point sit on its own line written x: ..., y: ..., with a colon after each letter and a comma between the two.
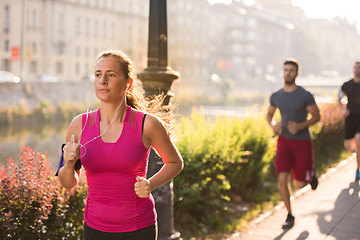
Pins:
x: 158, y: 80
x: 174, y: 236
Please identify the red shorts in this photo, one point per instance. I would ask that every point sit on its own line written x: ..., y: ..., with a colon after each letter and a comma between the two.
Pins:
x: 295, y: 155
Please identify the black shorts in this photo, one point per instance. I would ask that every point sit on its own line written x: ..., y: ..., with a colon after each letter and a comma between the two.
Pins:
x: 148, y: 233
x: 352, y: 125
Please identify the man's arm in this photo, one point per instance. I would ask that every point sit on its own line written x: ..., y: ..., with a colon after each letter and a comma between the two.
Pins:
x: 295, y: 127
x: 345, y: 112
x: 276, y: 127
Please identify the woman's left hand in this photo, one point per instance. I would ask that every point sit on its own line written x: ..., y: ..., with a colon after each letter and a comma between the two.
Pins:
x: 142, y: 187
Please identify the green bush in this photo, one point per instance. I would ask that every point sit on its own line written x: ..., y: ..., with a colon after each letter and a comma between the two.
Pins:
x: 230, y: 155
x: 328, y: 137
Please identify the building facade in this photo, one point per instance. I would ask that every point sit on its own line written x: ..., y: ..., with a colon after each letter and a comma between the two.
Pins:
x: 189, y: 42
x: 338, y: 45
x: 251, y: 44
x: 243, y: 43
x: 63, y: 37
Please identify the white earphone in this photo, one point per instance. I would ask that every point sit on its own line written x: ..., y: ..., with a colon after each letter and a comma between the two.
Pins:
x: 127, y: 86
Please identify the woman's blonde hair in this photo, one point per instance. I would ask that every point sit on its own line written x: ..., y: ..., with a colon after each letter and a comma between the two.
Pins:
x: 135, y: 97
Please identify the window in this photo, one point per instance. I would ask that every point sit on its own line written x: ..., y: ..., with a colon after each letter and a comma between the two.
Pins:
x: 7, y: 18
x: 40, y: 22
x: 6, y: 46
x: 33, y: 67
x: 60, y: 48
x: 104, y: 29
x: 87, y: 27
x: 96, y: 28
x: 78, y: 51
x: 34, y: 48
x: 6, y: 65
x: 112, y: 30
x: 34, y: 19
x: 59, y: 67
x: 61, y: 24
x: 78, y: 25
x: 189, y: 6
x: 87, y: 52
x: 129, y: 35
x: 197, y: 71
x: 86, y: 70
x: 77, y: 68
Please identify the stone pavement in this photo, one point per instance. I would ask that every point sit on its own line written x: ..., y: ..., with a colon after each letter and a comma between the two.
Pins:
x: 331, y: 212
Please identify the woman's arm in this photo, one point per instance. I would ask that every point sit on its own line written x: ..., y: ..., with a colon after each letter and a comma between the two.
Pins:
x: 155, y: 135
x: 67, y: 174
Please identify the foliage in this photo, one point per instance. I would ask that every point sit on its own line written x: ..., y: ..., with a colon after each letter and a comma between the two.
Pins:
x: 221, y: 158
x: 228, y: 161
x: 328, y: 136
x: 43, y: 112
x: 33, y: 205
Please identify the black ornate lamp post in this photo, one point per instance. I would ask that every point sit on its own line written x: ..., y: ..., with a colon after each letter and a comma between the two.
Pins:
x: 157, y: 78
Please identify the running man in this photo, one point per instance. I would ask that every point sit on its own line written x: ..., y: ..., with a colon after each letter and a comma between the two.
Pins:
x: 294, y: 147
x: 351, y: 113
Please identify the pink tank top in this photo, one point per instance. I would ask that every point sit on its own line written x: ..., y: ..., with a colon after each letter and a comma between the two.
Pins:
x: 111, y: 170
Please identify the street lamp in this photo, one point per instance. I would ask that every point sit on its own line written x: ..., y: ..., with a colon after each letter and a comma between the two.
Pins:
x: 157, y: 78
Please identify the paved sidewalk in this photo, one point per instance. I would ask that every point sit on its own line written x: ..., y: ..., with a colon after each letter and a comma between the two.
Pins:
x: 331, y: 212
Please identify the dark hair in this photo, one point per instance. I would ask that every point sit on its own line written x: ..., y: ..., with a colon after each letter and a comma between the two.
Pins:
x: 357, y: 62
x: 135, y: 97
x: 294, y: 62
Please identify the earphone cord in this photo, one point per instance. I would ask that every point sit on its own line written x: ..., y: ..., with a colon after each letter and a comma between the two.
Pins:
x: 87, y: 117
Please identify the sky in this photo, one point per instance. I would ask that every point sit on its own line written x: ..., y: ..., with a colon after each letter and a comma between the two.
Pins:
x: 330, y: 8
x: 323, y: 8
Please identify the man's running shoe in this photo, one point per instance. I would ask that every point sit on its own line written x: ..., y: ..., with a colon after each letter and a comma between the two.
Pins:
x: 290, y: 221
x: 314, y: 182
x: 357, y: 178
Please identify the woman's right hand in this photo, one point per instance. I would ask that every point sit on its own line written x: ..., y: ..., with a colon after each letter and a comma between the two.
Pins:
x: 68, y: 176
x: 71, y: 152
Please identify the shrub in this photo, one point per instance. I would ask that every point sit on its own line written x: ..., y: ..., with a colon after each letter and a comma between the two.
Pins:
x: 201, y: 188
x: 328, y: 136
x: 32, y: 203
x: 230, y: 155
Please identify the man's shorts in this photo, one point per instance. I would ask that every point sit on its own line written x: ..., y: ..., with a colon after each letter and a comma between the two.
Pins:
x: 296, y: 156
x: 352, y: 125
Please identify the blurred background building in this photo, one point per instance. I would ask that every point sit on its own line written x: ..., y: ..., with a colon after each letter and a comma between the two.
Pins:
x: 213, y: 46
x: 190, y: 43
x: 61, y: 38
